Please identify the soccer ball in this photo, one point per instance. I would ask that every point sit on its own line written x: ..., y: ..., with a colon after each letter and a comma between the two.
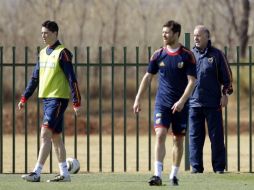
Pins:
x: 73, y: 165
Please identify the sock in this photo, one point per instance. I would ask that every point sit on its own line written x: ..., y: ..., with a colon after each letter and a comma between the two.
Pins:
x: 158, y: 168
x: 63, y: 169
x: 38, y: 168
x: 174, y: 172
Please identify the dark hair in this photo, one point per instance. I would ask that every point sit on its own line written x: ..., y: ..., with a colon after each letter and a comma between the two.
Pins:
x: 175, y: 26
x: 51, y: 26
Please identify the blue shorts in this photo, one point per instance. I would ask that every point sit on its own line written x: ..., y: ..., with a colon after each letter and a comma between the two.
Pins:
x: 54, y: 109
x: 163, y: 117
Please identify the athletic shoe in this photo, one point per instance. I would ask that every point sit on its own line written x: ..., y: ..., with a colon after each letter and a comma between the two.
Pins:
x: 219, y: 172
x: 31, y: 177
x: 60, y: 178
x: 155, y: 181
x: 174, y: 181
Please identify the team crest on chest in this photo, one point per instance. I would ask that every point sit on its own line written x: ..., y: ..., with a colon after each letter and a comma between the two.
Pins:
x: 180, y: 65
x: 162, y: 64
x: 210, y: 59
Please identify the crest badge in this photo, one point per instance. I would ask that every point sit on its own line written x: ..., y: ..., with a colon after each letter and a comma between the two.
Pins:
x: 210, y: 60
x: 162, y: 64
x: 180, y: 65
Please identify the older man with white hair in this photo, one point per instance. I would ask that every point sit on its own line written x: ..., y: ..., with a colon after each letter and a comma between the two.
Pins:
x: 213, y: 84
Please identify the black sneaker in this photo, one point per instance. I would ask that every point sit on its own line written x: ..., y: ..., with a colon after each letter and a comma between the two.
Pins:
x: 174, y: 181
x: 31, y: 177
x: 155, y: 181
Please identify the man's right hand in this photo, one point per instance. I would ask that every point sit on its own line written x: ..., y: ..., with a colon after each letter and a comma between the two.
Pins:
x: 136, y: 107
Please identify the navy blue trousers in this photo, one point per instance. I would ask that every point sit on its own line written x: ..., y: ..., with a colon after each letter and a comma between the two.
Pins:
x: 197, y: 132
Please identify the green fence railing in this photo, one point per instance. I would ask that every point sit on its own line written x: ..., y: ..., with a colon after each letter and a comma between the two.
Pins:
x: 99, y: 83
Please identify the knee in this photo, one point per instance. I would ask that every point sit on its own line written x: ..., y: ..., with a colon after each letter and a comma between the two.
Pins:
x: 45, y: 136
x: 178, y: 141
x: 161, y: 137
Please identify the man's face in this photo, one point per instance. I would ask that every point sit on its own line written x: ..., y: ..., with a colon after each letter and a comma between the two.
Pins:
x: 200, y: 38
x: 169, y: 38
x: 49, y: 38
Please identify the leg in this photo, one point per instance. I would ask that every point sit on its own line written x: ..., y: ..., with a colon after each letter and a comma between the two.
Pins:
x: 59, y: 148
x: 61, y: 157
x: 159, y: 151
x: 196, y: 139
x: 45, y: 148
x: 177, y: 153
x: 46, y: 135
x: 216, y: 135
x: 179, y: 126
x: 177, y: 150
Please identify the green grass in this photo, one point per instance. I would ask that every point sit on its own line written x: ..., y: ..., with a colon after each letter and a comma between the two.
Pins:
x: 132, y: 181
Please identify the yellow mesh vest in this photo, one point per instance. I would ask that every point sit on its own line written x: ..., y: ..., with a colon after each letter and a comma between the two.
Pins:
x: 52, y: 83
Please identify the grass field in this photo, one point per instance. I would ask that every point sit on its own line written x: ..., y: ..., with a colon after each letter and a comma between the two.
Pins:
x: 133, y: 181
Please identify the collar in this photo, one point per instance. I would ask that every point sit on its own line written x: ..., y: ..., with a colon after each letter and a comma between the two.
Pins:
x: 57, y: 43
x: 209, y: 45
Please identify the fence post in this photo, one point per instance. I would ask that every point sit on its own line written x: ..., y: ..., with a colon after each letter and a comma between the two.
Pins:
x: 26, y: 123
x: 149, y: 120
x: 100, y: 109
x: 13, y: 109
x: 137, y: 115
x: 125, y: 113
x: 238, y: 107
x: 187, y: 162
x: 75, y: 117
x: 112, y: 109
x: 1, y: 109
x: 250, y: 108
x: 88, y: 108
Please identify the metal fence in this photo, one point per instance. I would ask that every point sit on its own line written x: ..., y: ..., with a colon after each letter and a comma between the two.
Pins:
x: 127, y: 70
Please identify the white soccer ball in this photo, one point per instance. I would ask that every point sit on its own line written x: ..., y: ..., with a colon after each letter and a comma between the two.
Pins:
x: 73, y: 165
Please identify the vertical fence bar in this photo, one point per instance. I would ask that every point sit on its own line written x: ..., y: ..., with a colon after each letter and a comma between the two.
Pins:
x: 88, y: 108
x: 1, y: 109
x: 149, y: 121
x: 26, y: 123
x: 112, y: 109
x: 238, y: 108
x: 13, y: 108
x: 226, y: 124
x: 137, y: 116
x: 100, y: 109
x: 187, y: 162
x: 250, y: 108
x: 124, y: 110
x: 38, y: 114
x: 75, y: 117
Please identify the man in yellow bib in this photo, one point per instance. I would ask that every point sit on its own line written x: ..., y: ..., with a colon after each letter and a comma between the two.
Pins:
x: 56, y: 79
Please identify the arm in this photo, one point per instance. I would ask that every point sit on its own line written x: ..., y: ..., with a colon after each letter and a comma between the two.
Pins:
x: 32, y: 85
x: 66, y: 65
x: 146, y: 81
x: 178, y: 106
x: 226, y: 80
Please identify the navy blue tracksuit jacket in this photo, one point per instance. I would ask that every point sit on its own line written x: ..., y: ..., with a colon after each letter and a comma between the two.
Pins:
x: 214, y: 78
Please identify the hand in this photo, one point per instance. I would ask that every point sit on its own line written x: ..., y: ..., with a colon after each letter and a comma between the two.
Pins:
x: 136, y: 107
x: 224, y: 101
x: 178, y: 106
x: 77, y: 111
x: 21, y: 105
